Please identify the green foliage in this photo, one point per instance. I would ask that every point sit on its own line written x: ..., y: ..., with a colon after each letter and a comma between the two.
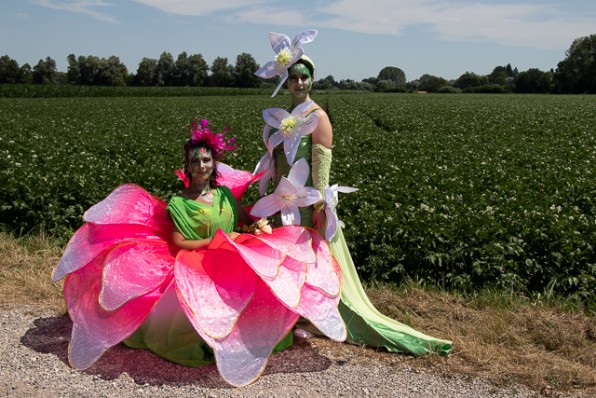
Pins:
x: 470, y: 190
x: 461, y: 191
x: 69, y: 91
x: 577, y: 72
x: 534, y: 81
x: 392, y: 74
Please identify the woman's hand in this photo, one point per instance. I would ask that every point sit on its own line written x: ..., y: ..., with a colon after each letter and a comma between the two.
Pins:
x: 233, y: 235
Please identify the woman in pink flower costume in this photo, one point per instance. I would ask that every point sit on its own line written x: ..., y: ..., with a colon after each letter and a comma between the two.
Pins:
x: 299, y: 144
x: 179, y: 280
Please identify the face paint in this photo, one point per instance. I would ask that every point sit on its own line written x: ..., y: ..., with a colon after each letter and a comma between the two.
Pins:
x: 299, y: 80
x: 201, y: 164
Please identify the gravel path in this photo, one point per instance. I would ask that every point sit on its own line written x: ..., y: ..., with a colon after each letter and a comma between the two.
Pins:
x: 33, y: 352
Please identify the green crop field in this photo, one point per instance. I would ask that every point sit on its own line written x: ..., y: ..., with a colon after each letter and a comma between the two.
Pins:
x: 458, y: 190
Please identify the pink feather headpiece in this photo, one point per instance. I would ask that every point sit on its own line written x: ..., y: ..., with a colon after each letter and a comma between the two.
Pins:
x: 201, y: 134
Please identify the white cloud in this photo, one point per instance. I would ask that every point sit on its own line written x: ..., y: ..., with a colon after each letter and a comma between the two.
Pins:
x: 86, y: 7
x: 520, y: 24
x: 199, y: 7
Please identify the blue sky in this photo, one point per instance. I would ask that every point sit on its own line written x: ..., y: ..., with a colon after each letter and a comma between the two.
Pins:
x: 356, y: 38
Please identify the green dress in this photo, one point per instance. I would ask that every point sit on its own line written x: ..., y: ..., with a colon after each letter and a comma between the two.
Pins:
x: 365, y: 324
x: 167, y: 331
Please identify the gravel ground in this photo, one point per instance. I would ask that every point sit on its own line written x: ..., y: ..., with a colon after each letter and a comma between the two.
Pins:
x: 34, y: 346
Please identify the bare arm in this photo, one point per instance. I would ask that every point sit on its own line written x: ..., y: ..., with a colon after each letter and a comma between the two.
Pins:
x: 323, y: 134
x: 188, y: 244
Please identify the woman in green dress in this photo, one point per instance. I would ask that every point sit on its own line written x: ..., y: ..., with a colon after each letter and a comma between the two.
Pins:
x: 365, y: 324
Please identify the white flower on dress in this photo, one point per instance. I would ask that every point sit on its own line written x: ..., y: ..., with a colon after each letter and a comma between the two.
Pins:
x: 331, y: 200
x: 289, y: 195
x: 286, y: 54
x: 266, y: 166
x: 290, y: 128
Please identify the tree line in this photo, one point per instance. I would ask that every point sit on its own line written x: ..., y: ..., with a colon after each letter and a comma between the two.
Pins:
x: 574, y: 74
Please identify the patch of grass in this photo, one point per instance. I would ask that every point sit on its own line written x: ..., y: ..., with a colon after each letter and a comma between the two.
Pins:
x: 26, y: 266
x: 501, y: 336
x: 498, y: 336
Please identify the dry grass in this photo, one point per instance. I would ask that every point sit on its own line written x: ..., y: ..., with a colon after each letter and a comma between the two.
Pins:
x: 549, y: 349
x: 26, y: 267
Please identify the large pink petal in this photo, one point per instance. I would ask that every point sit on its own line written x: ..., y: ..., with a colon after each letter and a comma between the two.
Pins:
x: 265, y: 253
x: 261, y: 257
x: 129, y: 204
x: 237, y: 180
x: 94, y: 329
x: 323, y: 275
x: 132, y: 270
x: 287, y: 284
x: 321, y: 310
x: 243, y: 354
x: 90, y: 240
x: 213, y: 287
x: 292, y: 240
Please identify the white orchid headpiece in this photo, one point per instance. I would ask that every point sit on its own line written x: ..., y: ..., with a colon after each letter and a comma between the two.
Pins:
x: 286, y: 55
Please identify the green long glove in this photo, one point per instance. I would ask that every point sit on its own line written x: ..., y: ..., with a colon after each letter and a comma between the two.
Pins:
x: 321, y: 166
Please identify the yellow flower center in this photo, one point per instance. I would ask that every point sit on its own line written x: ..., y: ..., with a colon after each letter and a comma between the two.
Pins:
x: 284, y: 56
x: 288, y: 199
x: 288, y: 125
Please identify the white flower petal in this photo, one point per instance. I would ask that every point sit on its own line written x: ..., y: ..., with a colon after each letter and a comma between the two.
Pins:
x: 282, y: 80
x: 274, y: 116
x: 299, y: 173
x: 300, y: 109
x: 331, y: 227
x: 267, y: 206
x: 285, y: 188
x: 291, y: 145
x: 279, y: 41
x: 266, y: 133
x: 304, y: 37
x: 268, y: 71
x: 264, y: 181
x: 275, y: 139
x: 308, y: 196
x: 290, y: 216
x: 346, y: 189
x: 309, y: 125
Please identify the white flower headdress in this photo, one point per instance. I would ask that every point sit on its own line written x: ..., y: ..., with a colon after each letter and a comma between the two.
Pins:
x: 286, y: 55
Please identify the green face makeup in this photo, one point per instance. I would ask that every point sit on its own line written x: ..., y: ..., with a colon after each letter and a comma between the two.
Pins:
x: 299, y: 81
x: 299, y: 69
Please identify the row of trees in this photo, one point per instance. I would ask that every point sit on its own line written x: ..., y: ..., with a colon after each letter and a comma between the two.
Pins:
x: 185, y: 70
x: 575, y: 74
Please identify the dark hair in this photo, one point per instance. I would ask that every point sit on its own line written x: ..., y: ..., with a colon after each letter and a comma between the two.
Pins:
x: 189, y: 147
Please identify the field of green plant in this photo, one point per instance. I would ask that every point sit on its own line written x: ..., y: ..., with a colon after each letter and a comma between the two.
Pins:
x: 463, y: 191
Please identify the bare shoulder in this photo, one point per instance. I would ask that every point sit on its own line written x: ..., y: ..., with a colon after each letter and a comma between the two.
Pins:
x: 323, y: 133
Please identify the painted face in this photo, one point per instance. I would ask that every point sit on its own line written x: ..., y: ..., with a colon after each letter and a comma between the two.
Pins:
x: 299, y: 80
x: 201, y: 164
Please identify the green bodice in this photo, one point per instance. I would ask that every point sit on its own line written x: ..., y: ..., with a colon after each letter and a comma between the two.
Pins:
x: 197, y: 220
